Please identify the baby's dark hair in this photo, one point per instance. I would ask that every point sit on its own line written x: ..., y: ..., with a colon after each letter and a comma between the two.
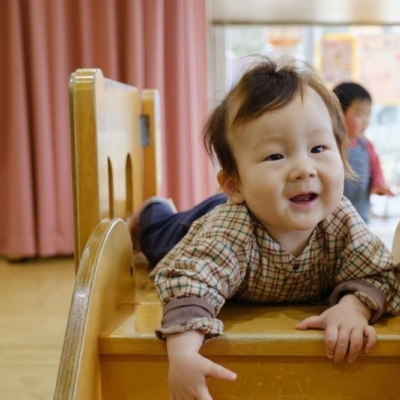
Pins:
x: 347, y: 92
x: 267, y: 86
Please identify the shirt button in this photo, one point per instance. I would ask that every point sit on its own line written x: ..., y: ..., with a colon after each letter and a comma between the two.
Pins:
x: 296, y: 267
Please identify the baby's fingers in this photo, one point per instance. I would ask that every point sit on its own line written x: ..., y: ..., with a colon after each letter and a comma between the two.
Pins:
x: 218, y: 372
x: 342, y: 344
x: 314, y: 322
x: 371, y: 336
x: 331, y: 337
x: 356, y: 344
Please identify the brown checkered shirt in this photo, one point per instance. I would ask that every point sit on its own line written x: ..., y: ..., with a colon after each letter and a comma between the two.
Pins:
x: 228, y: 253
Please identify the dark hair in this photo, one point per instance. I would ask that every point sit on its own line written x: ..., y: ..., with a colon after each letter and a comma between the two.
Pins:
x: 266, y: 86
x: 347, y: 92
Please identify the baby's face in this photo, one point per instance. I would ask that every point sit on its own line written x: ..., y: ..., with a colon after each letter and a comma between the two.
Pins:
x: 291, y: 174
x: 357, y: 118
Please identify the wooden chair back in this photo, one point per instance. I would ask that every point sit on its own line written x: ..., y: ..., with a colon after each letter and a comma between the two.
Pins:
x: 115, y: 159
x: 115, y: 133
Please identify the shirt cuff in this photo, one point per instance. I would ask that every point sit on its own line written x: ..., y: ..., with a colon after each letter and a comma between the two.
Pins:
x: 366, y: 292
x: 189, y: 313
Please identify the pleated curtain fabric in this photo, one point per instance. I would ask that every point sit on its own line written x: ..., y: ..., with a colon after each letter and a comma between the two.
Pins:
x: 158, y: 44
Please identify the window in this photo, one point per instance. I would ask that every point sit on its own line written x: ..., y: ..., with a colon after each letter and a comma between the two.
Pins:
x: 369, y: 55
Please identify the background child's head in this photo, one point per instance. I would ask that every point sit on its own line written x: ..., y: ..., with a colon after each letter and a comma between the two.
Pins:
x: 356, y: 105
x: 266, y: 87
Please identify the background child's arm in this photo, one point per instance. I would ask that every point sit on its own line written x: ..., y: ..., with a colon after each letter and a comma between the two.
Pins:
x: 345, y: 325
x: 188, y: 370
x: 378, y: 183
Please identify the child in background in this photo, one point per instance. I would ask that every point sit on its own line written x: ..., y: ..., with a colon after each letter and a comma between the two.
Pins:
x: 356, y: 105
x: 286, y: 233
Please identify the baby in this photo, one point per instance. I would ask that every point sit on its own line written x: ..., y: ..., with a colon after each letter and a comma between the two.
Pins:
x: 286, y: 234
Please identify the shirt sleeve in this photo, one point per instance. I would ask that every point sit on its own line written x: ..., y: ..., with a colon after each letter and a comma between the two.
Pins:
x: 377, y: 178
x: 198, y: 275
x: 367, y: 269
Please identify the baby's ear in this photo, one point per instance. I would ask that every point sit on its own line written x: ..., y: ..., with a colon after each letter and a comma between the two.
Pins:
x: 230, y: 186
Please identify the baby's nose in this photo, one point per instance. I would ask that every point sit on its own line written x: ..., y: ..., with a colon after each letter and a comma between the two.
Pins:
x: 302, y: 169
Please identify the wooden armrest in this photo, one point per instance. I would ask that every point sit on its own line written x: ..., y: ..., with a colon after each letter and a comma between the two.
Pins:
x: 248, y: 328
x: 103, y: 280
x: 260, y: 344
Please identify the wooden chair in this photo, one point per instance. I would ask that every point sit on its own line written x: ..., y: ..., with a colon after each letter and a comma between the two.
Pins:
x: 114, y: 136
x: 111, y: 352
x: 114, y: 153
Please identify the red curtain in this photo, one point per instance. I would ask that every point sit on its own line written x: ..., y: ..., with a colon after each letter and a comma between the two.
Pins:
x: 146, y: 43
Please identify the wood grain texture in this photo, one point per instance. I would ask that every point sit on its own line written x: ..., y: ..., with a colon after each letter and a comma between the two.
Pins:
x: 143, y: 377
x: 102, y: 282
x: 108, y: 185
x: 35, y: 297
x: 151, y: 149
x: 108, y: 158
x: 260, y: 343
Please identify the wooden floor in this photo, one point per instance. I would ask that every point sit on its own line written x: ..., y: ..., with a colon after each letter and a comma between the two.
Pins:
x: 34, y: 303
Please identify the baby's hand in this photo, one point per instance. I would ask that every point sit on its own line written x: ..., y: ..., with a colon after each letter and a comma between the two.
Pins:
x: 188, y: 370
x: 188, y: 375
x: 345, y: 325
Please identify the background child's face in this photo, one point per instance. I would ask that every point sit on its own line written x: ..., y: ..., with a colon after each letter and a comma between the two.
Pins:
x: 291, y: 174
x: 357, y: 118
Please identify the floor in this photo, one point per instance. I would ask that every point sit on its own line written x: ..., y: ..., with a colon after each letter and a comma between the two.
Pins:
x: 34, y: 303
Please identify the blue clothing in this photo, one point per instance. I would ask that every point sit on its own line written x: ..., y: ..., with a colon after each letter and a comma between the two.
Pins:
x: 161, y: 228
x: 358, y: 191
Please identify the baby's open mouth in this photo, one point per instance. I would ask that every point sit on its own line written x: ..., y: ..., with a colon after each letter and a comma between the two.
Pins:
x: 304, y: 198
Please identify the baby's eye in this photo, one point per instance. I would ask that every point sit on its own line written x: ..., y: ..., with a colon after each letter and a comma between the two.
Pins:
x: 318, y: 149
x: 273, y: 157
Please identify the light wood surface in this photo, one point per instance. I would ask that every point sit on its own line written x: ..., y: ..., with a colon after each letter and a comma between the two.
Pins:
x: 108, y: 159
x: 114, y: 138
x: 250, y: 329
x: 259, y: 378
x: 104, y: 279
x: 260, y: 343
x: 35, y: 297
x: 151, y: 144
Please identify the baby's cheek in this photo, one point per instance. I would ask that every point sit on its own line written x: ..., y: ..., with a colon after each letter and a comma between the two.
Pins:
x: 336, y: 178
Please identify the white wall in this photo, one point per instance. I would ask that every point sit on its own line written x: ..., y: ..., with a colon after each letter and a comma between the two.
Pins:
x: 305, y: 11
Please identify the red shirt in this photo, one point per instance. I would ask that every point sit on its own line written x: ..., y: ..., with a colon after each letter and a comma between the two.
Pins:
x: 377, y: 178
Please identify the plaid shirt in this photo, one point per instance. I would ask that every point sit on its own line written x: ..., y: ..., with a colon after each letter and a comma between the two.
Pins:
x: 228, y: 253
